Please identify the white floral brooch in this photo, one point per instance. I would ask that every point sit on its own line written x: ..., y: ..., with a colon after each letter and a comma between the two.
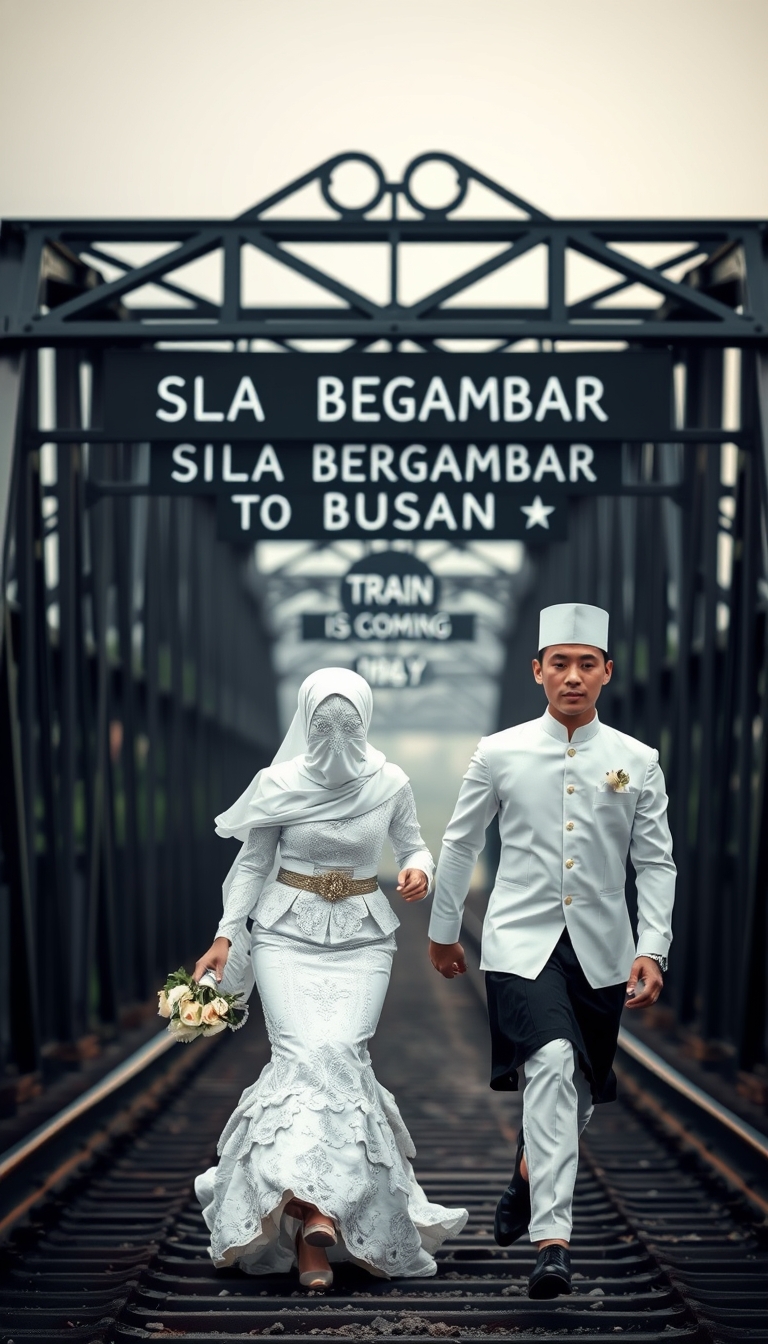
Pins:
x: 617, y: 780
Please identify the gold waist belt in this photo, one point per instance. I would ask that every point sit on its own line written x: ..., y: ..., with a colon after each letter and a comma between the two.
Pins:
x: 332, y: 886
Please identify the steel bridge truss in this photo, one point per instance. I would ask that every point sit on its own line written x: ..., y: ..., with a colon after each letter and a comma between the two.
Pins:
x: 708, y: 277
x: 134, y: 660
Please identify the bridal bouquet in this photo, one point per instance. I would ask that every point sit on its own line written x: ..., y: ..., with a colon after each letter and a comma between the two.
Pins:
x: 198, y: 1009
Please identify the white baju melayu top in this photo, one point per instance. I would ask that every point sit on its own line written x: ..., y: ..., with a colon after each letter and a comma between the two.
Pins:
x: 565, y: 838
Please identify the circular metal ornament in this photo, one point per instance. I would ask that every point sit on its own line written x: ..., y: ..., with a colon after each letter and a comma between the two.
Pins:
x: 431, y: 211
x: 352, y: 211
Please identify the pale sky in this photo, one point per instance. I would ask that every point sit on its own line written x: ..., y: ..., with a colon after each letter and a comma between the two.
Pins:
x: 190, y: 107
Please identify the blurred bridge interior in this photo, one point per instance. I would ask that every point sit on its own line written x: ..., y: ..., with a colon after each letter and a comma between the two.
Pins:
x: 138, y: 690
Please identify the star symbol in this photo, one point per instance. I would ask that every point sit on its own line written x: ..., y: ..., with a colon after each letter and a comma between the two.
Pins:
x: 538, y: 513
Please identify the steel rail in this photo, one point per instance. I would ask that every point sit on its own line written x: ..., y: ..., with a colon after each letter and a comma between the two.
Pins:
x: 125, y: 1256
x: 123, y: 1073
x: 654, y: 1063
x: 111, y: 1082
x: 668, y: 1122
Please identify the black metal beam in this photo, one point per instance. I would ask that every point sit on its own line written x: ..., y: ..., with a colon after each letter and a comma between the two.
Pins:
x: 722, y: 302
x: 735, y: 332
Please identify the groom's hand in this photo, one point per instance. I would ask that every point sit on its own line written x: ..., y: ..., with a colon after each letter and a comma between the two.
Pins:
x: 649, y: 971
x: 447, y: 958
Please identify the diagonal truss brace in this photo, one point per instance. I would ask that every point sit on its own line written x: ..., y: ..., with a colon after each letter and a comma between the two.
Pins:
x: 686, y: 310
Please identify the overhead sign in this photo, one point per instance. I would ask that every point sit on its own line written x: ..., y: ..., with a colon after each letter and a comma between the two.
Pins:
x: 397, y: 673
x: 327, y: 490
x: 389, y: 596
x: 207, y: 468
x: 431, y: 626
x: 150, y: 395
x: 253, y: 515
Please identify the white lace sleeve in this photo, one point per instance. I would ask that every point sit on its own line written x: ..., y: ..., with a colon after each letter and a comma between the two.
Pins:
x: 405, y: 835
x: 253, y: 869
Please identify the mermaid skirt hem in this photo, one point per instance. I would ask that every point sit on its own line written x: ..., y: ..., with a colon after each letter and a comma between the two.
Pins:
x: 318, y: 1126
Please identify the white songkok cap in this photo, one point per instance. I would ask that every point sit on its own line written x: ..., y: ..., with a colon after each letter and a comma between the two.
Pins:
x: 573, y: 623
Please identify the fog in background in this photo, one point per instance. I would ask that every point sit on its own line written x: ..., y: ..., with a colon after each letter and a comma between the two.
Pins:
x: 435, y: 765
x: 186, y: 107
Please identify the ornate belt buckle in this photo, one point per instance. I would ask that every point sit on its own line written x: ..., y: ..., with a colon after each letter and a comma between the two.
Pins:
x: 334, y: 886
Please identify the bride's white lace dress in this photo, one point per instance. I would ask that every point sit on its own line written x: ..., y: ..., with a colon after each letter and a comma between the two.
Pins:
x: 317, y: 1124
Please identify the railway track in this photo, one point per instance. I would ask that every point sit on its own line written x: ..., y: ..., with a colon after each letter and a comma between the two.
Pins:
x: 661, y: 1251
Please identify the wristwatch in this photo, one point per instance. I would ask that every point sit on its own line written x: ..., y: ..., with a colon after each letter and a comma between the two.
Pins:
x: 657, y: 957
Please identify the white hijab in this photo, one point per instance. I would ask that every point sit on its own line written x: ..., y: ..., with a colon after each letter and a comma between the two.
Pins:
x: 317, y: 785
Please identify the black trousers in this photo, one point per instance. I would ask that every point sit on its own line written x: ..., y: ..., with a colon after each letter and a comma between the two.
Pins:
x: 559, y: 1004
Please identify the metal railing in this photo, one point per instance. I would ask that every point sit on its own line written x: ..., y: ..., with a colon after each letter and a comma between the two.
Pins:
x: 137, y: 695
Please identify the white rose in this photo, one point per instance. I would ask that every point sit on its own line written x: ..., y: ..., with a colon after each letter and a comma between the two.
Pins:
x: 191, y: 1012
x: 221, y: 1006
x: 214, y: 1028
x: 177, y: 993
x: 164, y: 1006
x: 210, y: 1015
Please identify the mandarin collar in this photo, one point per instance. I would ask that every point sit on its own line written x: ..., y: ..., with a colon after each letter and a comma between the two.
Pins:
x: 558, y: 730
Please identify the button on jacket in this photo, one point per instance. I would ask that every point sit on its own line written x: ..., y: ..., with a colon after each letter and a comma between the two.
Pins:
x: 565, y: 837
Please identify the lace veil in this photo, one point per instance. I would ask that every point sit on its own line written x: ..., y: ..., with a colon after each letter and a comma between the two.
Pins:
x: 293, y: 790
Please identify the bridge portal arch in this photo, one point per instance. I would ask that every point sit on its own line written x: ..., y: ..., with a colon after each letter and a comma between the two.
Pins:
x: 611, y: 381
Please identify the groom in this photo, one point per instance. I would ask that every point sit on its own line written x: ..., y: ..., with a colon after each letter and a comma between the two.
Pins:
x: 574, y: 797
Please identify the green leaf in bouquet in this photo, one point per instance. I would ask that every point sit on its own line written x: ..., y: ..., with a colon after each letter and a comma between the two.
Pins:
x: 180, y: 977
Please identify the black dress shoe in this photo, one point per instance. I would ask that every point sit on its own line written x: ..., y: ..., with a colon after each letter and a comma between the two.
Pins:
x: 552, y: 1273
x: 513, y: 1211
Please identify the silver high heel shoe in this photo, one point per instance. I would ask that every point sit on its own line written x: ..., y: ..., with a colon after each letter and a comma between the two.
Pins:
x: 318, y: 1279
x: 319, y: 1230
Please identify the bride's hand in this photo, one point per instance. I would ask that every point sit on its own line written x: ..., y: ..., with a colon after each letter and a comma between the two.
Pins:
x: 215, y: 959
x: 412, y: 884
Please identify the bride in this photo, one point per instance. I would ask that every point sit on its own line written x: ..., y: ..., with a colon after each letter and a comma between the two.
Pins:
x: 315, y: 1160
